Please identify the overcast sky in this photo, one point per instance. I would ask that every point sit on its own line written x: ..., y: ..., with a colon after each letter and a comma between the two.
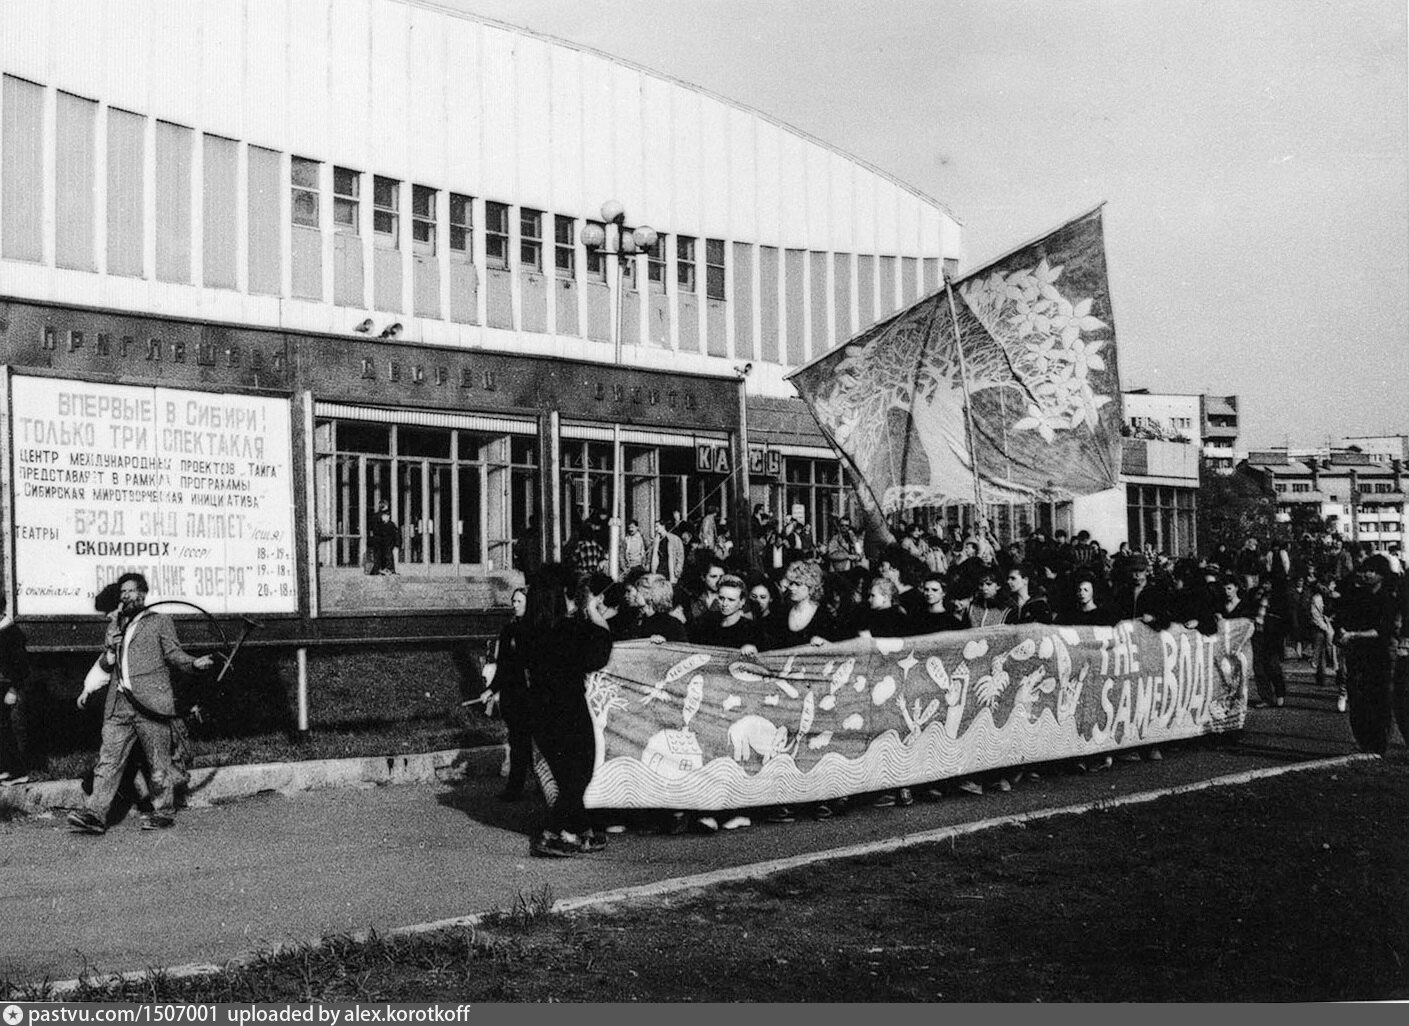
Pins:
x: 1252, y: 155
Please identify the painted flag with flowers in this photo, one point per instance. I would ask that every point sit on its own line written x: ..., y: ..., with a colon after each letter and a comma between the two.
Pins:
x: 1039, y: 368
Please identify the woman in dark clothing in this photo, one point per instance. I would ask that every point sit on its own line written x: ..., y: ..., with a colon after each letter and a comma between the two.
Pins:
x: 511, y: 687
x: 658, y: 598
x: 566, y: 637
x: 803, y: 620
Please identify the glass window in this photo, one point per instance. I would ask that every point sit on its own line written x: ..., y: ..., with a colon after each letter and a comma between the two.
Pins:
x: 461, y: 225
x: 596, y: 260
x: 531, y: 239
x: 347, y: 187
x: 496, y: 235
x: 714, y: 268
x: 655, y: 265
x: 685, y: 263
x: 423, y: 220
x: 564, y: 247
x: 386, y: 204
x: 304, y: 175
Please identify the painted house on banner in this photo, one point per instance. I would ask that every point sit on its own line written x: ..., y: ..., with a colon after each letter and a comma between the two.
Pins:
x: 266, y: 266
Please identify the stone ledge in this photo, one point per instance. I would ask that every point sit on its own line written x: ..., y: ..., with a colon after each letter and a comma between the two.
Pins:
x: 212, y: 785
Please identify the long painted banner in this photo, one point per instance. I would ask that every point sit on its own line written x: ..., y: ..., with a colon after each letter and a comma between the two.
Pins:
x: 687, y: 727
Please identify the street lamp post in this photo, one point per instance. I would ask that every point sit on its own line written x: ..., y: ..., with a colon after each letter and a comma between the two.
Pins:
x: 611, y: 239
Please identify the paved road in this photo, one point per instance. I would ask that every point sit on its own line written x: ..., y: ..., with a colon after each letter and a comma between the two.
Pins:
x: 234, y: 878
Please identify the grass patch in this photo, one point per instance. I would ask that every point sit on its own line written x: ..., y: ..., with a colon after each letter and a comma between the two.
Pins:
x: 361, y: 702
x: 1287, y: 889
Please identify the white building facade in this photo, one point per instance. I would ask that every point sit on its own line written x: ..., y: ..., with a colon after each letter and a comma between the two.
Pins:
x: 369, y: 214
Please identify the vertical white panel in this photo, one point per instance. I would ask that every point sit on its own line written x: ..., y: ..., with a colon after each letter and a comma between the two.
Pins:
x: 174, y: 62
x: 535, y: 153
x: 743, y: 177
x: 628, y: 151
x: 715, y: 171
x: 222, y: 68
x: 307, y: 114
x: 426, y: 119
x: 685, y: 212
x: 661, y: 159
x: 462, y: 103
x: 819, y: 202
x: 566, y: 161
x: 266, y: 76
x: 389, y: 93
x: 349, y: 83
x: 863, y: 185
x: 598, y: 163
x: 951, y: 243
x: 907, y: 223
x: 79, y: 48
x: 767, y: 175
x: 25, y: 41
x: 498, y: 105
x: 126, y: 27
x: 887, y: 228
x: 842, y: 189
x: 792, y: 175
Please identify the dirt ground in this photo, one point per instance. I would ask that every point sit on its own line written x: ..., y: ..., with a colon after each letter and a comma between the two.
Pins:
x: 1288, y: 889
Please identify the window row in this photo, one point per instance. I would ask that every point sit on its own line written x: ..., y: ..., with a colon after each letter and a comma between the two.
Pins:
x: 462, y: 498
x: 88, y: 187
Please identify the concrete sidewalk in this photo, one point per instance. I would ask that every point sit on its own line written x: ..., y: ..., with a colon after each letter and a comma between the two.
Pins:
x: 277, y: 868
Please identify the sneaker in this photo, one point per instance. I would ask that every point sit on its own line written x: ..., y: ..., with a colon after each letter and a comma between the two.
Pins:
x: 885, y: 801
x: 1279, y: 702
x: 4, y: 776
x: 737, y: 823
x: 971, y: 787
x: 86, y: 822
x: 905, y: 797
x: 707, y: 824
x: 1003, y: 784
x: 932, y: 793
x: 1340, y: 703
x: 1129, y: 755
x: 1154, y: 755
x: 1033, y: 775
x: 23, y: 778
x: 821, y: 811
x: 616, y: 828
x: 156, y: 821
x: 782, y: 814
x: 548, y: 845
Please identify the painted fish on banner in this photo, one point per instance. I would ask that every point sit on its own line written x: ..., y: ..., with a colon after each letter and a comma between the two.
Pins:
x: 685, y: 727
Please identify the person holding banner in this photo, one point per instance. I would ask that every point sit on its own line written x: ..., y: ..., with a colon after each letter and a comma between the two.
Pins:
x: 140, y: 650
x: 565, y: 638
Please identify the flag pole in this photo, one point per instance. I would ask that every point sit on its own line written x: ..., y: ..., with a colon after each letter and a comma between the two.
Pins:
x: 968, y: 405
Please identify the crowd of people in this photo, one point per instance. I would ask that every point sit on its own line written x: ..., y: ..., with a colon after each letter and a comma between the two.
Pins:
x: 1334, y: 605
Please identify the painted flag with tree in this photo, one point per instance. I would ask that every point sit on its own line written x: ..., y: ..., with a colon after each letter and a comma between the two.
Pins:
x: 1028, y: 341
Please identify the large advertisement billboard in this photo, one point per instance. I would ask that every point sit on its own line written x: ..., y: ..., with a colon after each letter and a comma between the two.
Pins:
x: 192, y: 489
